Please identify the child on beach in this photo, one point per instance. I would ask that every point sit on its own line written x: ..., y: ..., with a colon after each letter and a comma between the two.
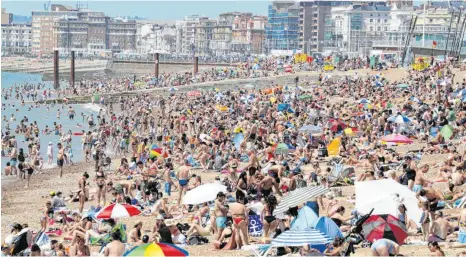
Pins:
x: 424, y: 220
x: 50, y: 153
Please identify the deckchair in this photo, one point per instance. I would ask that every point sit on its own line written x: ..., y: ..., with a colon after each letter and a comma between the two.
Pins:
x: 339, y: 174
x: 260, y: 250
x: 105, y: 239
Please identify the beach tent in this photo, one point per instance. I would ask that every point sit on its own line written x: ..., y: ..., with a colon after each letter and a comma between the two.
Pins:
x: 385, y: 196
x: 334, y: 147
x: 305, y: 220
x: 327, y: 227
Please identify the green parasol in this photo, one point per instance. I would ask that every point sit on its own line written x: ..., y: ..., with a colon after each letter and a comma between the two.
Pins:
x: 404, y: 85
x: 304, y: 97
x: 447, y: 131
x: 282, y: 148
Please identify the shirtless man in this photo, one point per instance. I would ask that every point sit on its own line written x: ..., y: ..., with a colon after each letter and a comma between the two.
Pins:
x: 220, y: 214
x: 420, y: 180
x: 440, y: 228
x: 266, y: 185
x: 60, y: 158
x: 240, y: 222
x: 183, y: 175
x: 433, y: 197
x: 116, y: 247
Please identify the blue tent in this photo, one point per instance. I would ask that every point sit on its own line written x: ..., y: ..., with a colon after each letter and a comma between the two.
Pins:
x: 327, y: 227
x: 305, y: 220
x: 283, y: 107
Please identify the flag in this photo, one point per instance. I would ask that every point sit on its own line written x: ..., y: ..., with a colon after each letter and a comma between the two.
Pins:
x: 434, y: 44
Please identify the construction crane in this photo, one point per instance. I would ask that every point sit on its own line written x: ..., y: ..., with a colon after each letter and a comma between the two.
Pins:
x: 47, y: 6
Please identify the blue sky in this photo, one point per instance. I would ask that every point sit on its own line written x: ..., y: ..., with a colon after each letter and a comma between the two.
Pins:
x: 153, y: 10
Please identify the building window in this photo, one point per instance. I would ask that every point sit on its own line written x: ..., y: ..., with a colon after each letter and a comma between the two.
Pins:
x: 385, y: 29
x: 431, y: 20
x: 371, y: 28
x: 379, y: 29
x: 371, y: 20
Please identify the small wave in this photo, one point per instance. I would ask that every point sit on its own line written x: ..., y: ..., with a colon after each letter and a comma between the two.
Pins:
x: 47, y: 166
x: 93, y: 107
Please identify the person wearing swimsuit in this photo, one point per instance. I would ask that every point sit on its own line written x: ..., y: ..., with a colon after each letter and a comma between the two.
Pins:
x: 269, y: 221
x: 100, y: 181
x: 385, y: 247
x: 82, y: 191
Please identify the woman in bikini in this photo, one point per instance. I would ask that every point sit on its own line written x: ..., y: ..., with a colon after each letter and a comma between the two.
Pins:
x: 242, y: 186
x: 269, y: 221
x: 82, y: 193
x: 101, y: 190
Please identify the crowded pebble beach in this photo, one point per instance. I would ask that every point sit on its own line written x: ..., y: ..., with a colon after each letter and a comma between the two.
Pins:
x: 241, y: 170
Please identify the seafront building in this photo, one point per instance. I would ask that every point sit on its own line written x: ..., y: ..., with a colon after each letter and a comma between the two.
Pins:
x: 7, y: 18
x: 87, y: 32
x: 16, y: 39
x: 155, y: 37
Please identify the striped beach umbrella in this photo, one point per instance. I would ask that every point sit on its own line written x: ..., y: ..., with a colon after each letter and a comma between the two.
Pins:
x: 115, y: 211
x: 155, y: 151
x: 300, y: 238
x: 396, y: 138
x: 399, y: 119
x: 299, y: 196
x: 384, y: 226
x: 157, y: 249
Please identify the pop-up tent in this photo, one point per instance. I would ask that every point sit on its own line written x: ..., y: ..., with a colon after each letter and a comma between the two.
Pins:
x: 327, y: 227
x: 306, y: 218
x: 385, y: 196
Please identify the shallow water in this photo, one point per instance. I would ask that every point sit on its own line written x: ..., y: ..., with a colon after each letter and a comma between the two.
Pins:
x: 43, y: 117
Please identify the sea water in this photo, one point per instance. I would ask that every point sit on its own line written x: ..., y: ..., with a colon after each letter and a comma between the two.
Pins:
x: 44, y: 117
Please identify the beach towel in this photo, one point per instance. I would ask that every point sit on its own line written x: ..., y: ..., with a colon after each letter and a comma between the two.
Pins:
x: 106, y: 238
x: 255, y: 226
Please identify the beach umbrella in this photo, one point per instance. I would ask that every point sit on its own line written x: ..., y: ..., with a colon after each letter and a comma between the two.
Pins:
x: 403, y: 85
x: 203, y: 193
x: 378, y: 83
x: 384, y: 226
x: 116, y: 211
x: 299, y: 196
x: 172, y: 89
x: 157, y: 249
x: 337, y: 125
x: 304, y: 97
x: 396, y: 138
x: 301, y: 237
x: 283, y: 107
x: 282, y: 148
x: 155, y: 151
x: 399, y: 119
x: 205, y: 138
x: 364, y: 101
x: 221, y: 108
x: 194, y: 93
x: 237, y: 140
x: 311, y: 129
x: 447, y: 131
x: 348, y: 131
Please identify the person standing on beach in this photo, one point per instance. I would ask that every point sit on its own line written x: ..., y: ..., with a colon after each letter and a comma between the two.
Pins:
x: 13, y: 159
x: 50, y: 153
x: 184, y: 172
x: 60, y: 158
x: 116, y: 247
